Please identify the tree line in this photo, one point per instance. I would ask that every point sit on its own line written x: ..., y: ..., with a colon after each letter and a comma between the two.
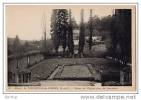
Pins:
x: 115, y: 31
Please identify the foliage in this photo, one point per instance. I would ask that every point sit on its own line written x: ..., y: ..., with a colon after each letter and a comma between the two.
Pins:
x: 17, y: 47
x: 81, y: 36
x: 70, y: 43
x: 59, y: 26
x: 54, y: 35
x: 121, y: 34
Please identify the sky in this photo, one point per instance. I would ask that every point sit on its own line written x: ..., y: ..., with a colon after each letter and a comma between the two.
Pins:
x: 25, y: 20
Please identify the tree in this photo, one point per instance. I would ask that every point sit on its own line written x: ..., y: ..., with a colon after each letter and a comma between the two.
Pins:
x: 70, y: 36
x: 106, y: 23
x: 17, y: 47
x: 54, y: 35
x: 81, y: 36
x: 62, y: 26
x: 59, y: 26
x: 10, y: 47
x: 91, y: 30
x: 26, y: 47
x: 43, y: 24
x: 105, y: 30
x: 121, y: 34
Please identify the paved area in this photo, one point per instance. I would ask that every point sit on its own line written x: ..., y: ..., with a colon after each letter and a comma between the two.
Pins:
x: 68, y: 83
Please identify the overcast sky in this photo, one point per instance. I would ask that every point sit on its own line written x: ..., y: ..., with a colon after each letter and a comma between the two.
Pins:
x: 25, y: 20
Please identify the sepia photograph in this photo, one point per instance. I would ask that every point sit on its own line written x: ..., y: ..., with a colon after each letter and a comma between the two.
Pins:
x: 70, y: 47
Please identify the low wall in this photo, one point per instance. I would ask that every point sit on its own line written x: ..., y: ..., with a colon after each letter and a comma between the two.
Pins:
x: 18, y: 67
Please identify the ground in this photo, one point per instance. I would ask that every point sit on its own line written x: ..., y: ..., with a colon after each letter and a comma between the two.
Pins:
x: 86, y: 69
x: 77, y: 71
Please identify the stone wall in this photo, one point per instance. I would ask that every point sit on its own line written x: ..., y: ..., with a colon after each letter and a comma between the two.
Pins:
x: 18, y: 67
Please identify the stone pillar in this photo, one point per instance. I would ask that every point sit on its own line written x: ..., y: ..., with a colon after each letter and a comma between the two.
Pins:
x: 23, y: 77
x: 28, y: 60
x: 17, y: 78
x: 17, y: 64
x: 26, y: 77
x: 122, y: 77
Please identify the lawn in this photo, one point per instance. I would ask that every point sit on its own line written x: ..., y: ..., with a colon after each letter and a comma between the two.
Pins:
x: 44, y: 69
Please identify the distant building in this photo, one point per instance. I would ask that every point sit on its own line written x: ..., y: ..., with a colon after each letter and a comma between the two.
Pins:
x: 76, y: 36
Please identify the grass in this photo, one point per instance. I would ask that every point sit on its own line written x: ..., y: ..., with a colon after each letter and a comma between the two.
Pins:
x: 98, y: 51
x: 43, y: 70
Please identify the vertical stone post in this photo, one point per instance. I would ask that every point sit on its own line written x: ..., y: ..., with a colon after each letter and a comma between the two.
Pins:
x: 122, y: 77
x: 28, y: 60
x: 17, y: 78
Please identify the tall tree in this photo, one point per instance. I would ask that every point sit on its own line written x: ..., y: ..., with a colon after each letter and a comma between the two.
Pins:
x: 43, y: 25
x: 70, y: 36
x: 121, y: 34
x: 63, y: 26
x: 17, y: 46
x: 81, y: 35
x: 17, y: 50
x: 91, y: 30
x: 54, y: 30
x: 59, y: 26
